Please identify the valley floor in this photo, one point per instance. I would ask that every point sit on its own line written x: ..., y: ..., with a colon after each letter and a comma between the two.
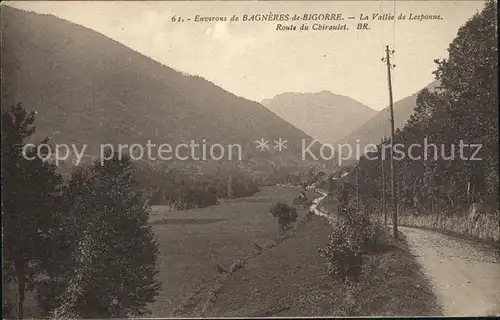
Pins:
x: 285, y: 278
x: 194, y: 242
x: 225, y: 261
x: 289, y: 279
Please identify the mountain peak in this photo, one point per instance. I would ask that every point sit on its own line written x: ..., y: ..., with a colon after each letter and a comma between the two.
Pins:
x: 323, y: 115
x: 289, y: 94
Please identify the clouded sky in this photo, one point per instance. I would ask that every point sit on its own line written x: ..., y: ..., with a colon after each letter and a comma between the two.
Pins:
x: 254, y: 60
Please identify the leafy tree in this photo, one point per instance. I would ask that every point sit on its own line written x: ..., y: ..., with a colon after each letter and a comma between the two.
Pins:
x: 285, y: 214
x: 59, y: 265
x: 463, y: 107
x: 470, y: 82
x: 30, y: 190
x: 114, y: 252
x: 348, y: 240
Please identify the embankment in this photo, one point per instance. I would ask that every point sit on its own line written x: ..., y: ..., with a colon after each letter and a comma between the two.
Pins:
x: 290, y: 280
x: 477, y: 224
x: 392, y: 284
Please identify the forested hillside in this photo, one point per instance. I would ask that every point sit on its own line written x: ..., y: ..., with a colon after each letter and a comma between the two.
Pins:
x: 461, y: 120
x: 89, y: 89
x: 375, y: 128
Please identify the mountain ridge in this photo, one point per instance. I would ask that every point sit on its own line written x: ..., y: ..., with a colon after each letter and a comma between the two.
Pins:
x: 88, y: 88
x: 323, y: 115
x: 375, y: 128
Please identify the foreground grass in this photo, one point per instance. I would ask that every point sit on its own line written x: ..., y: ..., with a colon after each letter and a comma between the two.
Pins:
x: 290, y: 280
x: 392, y: 284
x: 286, y: 278
x: 194, y: 242
x: 277, y: 282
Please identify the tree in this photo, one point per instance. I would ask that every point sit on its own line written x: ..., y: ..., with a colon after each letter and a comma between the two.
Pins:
x: 463, y: 107
x: 470, y: 82
x: 114, y: 252
x: 59, y: 264
x: 348, y: 240
x: 30, y: 192
x: 286, y: 215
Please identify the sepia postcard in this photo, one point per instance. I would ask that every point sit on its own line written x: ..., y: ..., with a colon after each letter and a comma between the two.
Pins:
x: 249, y: 159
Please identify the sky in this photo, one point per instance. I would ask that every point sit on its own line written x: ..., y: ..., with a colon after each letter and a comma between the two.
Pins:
x: 256, y: 61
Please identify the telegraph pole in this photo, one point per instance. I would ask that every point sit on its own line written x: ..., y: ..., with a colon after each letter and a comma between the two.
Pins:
x: 393, y: 182
x: 357, y: 187
x: 338, y: 196
x: 384, y: 203
x: 230, y: 185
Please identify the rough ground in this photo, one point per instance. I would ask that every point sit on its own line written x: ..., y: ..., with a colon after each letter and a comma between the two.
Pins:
x: 465, y: 275
x: 290, y: 280
x: 193, y: 242
x: 393, y: 283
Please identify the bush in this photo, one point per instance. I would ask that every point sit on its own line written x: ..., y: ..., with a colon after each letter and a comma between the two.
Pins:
x: 344, y: 252
x: 344, y: 261
x: 378, y: 240
x: 286, y: 215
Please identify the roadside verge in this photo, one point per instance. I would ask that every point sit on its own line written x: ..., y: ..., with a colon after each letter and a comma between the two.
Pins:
x: 290, y: 280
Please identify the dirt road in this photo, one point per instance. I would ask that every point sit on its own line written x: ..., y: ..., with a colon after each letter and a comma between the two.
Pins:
x: 465, y: 275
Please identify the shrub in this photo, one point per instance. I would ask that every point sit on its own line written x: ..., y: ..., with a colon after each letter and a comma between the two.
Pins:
x: 286, y: 215
x: 348, y: 241
x: 343, y: 260
x: 378, y: 240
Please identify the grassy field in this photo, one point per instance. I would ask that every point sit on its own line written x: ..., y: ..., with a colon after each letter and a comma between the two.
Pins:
x: 287, y: 280
x: 290, y: 280
x: 192, y: 242
x: 393, y: 284
x: 264, y: 277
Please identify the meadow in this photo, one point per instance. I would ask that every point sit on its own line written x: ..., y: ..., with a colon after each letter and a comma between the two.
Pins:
x: 193, y: 242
